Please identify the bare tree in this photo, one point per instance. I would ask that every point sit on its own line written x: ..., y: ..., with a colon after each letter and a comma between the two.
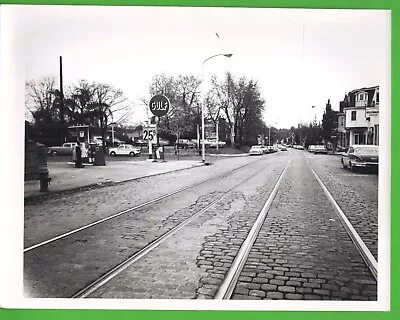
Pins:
x: 107, y: 106
x: 40, y: 94
x: 183, y: 93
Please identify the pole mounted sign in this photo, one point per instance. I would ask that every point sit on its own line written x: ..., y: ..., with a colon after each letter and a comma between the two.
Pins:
x: 159, y: 105
x: 150, y: 133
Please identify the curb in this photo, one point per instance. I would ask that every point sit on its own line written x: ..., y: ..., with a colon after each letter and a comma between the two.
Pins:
x: 229, y: 155
x: 44, y: 196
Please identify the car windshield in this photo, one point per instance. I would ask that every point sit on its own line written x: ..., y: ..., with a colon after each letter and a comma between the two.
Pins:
x: 256, y: 147
x: 366, y: 150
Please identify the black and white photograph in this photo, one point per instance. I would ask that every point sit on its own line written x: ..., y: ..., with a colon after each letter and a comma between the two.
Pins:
x: 200, y: 158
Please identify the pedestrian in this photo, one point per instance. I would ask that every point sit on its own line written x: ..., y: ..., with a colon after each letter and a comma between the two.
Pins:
x: 78, y: 151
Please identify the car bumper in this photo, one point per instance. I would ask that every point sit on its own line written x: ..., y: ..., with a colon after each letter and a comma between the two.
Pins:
x: 256, y: 153
x: 365, y: 164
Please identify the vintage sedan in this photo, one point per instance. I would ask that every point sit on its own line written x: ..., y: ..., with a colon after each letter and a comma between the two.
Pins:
x: 361, y: 156
x: 320, y: 149
x: 256, y: 150
x: 65, y: 150
x: 125, y: 150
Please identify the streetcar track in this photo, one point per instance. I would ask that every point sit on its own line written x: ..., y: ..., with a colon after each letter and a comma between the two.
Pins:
x: 229, y: 283
x: 92, y: 287
x: 354, y: 236
x: 92, y: 224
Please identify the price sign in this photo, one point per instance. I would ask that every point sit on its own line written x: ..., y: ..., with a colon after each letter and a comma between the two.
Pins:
x: 150, y: 134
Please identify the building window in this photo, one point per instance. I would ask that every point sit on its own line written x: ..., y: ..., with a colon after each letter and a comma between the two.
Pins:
x: 361, y: 96
x: 353, y: 115
x: 377, y: 97
x: 356, y: 138
x: 376, y: 137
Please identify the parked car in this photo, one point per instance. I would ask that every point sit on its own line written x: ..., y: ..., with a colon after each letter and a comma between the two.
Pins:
x: 65, y: 150
x: 311, y: 148
x: 256, y: 150
x: 282, y: 148
x: 265, y: 149
x: 185, y: 144
x: 141, y: 143
x: 361, y: 156
x: 221, y: 144
x: 124, y: 149
x: 320, y: 149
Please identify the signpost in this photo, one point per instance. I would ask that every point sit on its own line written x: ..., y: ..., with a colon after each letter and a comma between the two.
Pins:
x: 159, y: 106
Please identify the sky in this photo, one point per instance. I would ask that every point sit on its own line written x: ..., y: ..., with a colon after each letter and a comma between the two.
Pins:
x: 300, y: 58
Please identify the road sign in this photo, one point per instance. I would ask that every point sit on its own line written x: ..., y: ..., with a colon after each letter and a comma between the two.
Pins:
x: 159, y: 105
x: 150, y: 134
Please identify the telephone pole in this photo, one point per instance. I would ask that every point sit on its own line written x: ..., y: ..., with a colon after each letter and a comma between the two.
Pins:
x: 62, y: 124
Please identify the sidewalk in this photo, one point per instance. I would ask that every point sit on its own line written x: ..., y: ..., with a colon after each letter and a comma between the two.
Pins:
x: 65, y: 176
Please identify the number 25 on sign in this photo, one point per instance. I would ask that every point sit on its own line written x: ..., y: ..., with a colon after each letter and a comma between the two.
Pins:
x: 149, y: 134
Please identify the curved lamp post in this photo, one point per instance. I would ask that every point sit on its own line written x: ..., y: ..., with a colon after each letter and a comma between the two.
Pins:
x: 203, y: 148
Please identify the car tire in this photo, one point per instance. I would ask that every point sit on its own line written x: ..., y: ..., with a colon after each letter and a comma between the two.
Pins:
x: 53, y: 153
x: 112, y: 154
x: 132, y: 154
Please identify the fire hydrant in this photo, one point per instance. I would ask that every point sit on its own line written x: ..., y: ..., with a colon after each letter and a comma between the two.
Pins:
x: 44, y: 179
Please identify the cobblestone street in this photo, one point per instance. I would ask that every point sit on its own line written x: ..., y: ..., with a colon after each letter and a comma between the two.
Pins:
x: 302, y: 251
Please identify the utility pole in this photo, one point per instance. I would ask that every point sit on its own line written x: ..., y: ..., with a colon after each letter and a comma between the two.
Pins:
x: 62, y: 133
x: 269, y: 135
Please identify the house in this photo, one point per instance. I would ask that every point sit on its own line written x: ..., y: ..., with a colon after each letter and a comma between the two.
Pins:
x: 360, y: 112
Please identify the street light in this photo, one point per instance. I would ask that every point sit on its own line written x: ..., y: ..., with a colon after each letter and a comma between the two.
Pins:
x: 203, y: 148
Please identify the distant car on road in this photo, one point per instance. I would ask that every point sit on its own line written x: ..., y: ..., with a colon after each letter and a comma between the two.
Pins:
x: 320, y: 149
x: 282, y: 148
x: 361, y: 156
x: 65, y: 150
x: 256, y: 150
x: 221, y: 144
x: 311, y: 148
x: 125, y: 150
x: 185, y: 144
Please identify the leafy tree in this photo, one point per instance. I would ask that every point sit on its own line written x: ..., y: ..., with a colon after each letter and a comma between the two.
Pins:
x: 85, y: 103
x: 329, y: 123
x: 242, y: 106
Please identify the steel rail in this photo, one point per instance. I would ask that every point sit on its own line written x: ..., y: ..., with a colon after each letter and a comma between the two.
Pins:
x: 95, y: 285
x: 354, y: 236
x: 66, y: 234
x: 228, y: 285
